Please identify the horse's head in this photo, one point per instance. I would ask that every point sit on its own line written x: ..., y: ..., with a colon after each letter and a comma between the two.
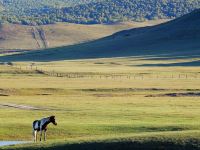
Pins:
x: 53, y: 120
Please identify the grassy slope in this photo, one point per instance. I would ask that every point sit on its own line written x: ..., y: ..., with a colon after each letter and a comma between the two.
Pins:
x: 175, y: 38
x: 21, y: 37
x: 172, y: 141
x: 114, y: 112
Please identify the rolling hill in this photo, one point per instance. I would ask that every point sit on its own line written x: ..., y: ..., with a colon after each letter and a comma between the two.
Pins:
x: 178, y: 37
x: 17, y: 37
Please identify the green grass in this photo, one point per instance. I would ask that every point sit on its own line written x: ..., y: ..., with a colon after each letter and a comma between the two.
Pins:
x: 102, y: 113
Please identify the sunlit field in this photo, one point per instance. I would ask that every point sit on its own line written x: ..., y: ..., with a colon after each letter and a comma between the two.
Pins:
x: 105, y: 100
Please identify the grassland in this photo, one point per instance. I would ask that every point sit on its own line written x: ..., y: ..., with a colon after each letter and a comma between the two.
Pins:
x: 153, y: 108
x: 60, y: 34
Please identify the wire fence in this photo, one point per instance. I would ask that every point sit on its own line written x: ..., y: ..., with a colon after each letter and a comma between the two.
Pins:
x: 100, y: 75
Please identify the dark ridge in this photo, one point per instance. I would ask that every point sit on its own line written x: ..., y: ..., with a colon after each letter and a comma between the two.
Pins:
x: 189, y: 94
x: 152, y: 144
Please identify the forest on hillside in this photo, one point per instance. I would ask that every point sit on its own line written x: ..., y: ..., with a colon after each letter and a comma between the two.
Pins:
x: 38, y: 12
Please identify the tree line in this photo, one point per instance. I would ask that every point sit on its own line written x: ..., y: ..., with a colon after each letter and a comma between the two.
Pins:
x: 39, y: 12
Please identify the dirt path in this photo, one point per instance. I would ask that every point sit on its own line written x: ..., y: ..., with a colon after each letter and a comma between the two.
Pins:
x: 24, y: 107
x: 39, y: 36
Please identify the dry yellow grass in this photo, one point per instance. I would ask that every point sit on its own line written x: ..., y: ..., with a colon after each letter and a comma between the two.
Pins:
x: 22, y: 37
x: 93, y: 108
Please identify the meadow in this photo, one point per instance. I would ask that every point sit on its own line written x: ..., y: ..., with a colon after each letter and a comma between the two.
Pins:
x: 111, y: 104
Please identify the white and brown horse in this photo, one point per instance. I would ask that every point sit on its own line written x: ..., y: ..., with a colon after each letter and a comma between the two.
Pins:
x: 41, y: 125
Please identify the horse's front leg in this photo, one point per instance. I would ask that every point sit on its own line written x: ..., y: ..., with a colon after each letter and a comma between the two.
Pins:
x: 45, y: 135
x: 40, y: 135
x: 35, y: 136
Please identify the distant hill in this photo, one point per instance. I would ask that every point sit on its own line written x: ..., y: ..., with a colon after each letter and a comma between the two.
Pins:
x: 180, y: 37
x: 38, y: 12
x: 23, y: 37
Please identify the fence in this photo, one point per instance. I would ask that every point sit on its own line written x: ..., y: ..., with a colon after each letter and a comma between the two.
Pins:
x: 99, y: 75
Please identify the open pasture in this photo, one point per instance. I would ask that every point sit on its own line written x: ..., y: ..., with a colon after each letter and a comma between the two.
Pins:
x: 152, y: 106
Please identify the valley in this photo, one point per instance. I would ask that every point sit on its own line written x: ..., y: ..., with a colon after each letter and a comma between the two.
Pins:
x: 130, y: 85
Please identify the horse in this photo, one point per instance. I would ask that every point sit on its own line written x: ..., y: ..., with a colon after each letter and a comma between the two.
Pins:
x: 41, y: 125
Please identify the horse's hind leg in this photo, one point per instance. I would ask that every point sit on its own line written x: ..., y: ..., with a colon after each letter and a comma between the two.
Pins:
x: 45, y: 135
x: 40, y: 135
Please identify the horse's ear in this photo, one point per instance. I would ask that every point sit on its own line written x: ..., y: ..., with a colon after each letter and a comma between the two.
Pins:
x: 52, y: 117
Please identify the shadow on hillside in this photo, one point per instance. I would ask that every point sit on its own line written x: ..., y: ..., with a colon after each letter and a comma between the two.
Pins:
x: 107, y: 48
x: 125, y: 145
x: 186, y: 57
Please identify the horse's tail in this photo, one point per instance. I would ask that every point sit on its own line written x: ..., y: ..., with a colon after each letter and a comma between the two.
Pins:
x: 34, y: 122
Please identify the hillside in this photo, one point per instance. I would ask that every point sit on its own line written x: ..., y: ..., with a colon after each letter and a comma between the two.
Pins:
x: 40, y: 12
x: 60, y: 34
x: 176, y: 38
